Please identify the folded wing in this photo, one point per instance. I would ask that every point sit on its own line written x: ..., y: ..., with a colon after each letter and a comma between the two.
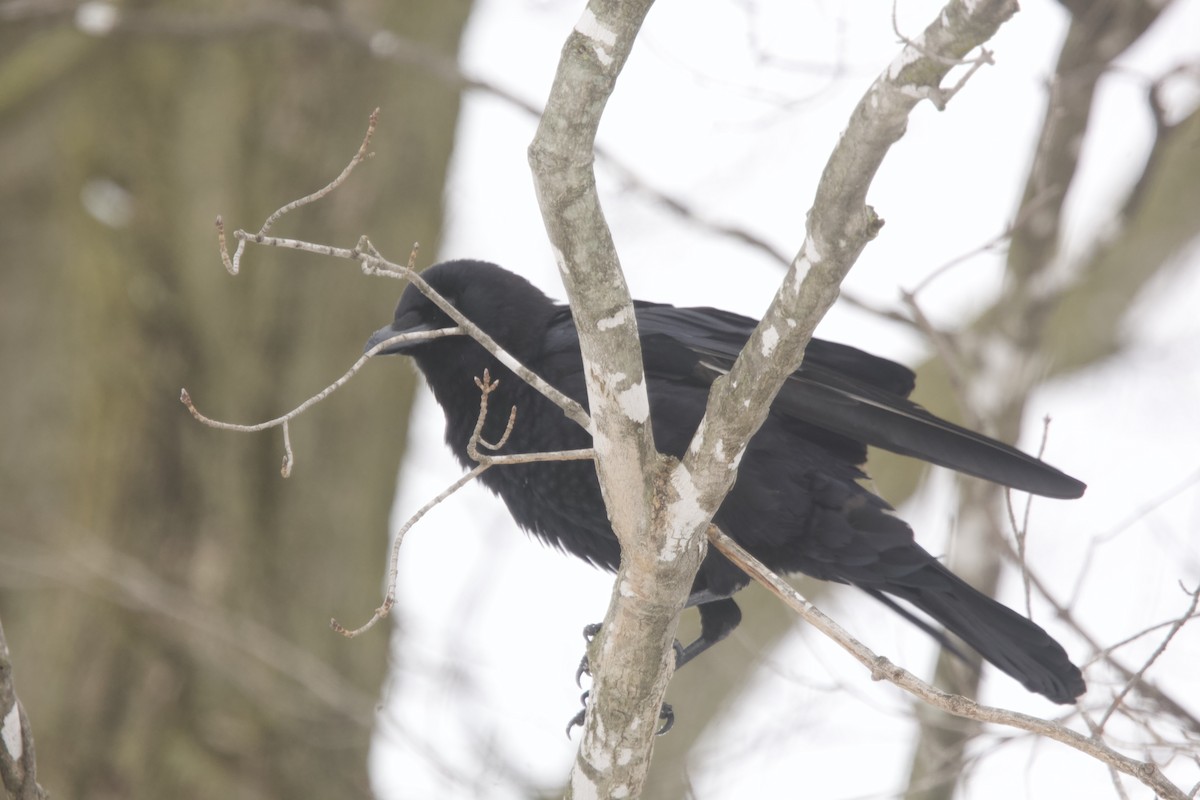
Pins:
x: 853, y: 394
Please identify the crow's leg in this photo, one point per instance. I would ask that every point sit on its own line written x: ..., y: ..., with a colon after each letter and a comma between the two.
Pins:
x: 718, y: 617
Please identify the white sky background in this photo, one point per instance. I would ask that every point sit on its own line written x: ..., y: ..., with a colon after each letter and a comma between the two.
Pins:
x: 491, y: 619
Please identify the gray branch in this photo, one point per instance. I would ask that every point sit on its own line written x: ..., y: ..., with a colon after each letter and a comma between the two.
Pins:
x: 660, y: 511
x: 629, y: 679
x: 18, y: 763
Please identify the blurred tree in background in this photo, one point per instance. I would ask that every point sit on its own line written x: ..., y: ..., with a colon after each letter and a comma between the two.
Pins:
x: 165, y: 592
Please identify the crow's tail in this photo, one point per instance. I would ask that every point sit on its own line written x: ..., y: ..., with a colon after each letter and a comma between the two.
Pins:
x: 1003, y: 637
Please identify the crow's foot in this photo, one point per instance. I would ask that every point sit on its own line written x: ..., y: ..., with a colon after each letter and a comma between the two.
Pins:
x: 666, y: 714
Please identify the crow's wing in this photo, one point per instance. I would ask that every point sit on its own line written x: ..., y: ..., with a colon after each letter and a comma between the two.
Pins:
x: 854, y: 394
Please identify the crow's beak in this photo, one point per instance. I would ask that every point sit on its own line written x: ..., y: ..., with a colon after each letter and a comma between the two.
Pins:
x: 387, y: 332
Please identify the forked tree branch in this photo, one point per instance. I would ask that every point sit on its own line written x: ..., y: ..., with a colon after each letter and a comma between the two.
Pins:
x: 994, y: 365
x: 838, y: 227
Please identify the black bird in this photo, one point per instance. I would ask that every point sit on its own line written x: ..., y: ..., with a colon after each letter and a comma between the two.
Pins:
x: 797, y: 504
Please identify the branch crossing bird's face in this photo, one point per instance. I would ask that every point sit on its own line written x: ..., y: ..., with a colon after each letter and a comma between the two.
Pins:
x: 505, y: 306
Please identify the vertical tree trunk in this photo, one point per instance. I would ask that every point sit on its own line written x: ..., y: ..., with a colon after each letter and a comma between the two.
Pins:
x: 166, y: 592
x: 1028, y: 321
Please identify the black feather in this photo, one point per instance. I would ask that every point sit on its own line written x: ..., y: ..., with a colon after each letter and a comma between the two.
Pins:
x: 797, y: 504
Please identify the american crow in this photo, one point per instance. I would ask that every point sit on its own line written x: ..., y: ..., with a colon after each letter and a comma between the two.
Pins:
x: 797, y: 504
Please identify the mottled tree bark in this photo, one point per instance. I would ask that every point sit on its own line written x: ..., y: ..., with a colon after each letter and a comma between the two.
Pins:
x: 166, y: 592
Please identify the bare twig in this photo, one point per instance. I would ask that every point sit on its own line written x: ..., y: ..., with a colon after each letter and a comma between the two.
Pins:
x: 389, y: 595
x: 1105, y: 653
x: 1026, y: 211
x: 1113, y: 775
x: 1062, y: 611
x: 1021, y: 529
x: 883, y: 669
x: 234, y: 264
x: 186, y: 398
x: 937, y: 95
x: 944, y: 342
x: 486, y: 386
x: 1158, y: 651
x: 288, y: 458
x: 358, y: 158
x: 372, y: 263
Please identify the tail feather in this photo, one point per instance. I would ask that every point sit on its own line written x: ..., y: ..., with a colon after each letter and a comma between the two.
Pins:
x: 1003, y: 637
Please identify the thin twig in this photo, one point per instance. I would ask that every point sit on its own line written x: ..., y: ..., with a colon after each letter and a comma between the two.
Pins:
x: 389, y: 596
x: 1021, y: 529
x: 1106, y: 653
x: 373, y: 265
x: 244, y: 237
x: 233, y: 265
x: 1036, y: 204
x: 1062, y: 611
x: 288, y: 456
x: 186, y: 399
x: 486, y: 387
x: 940, y: 97
x: 360, y: 156
x: 943, y: 342
x: 883, y: 669
x: 1113, y: 775
x: 1158, y: 651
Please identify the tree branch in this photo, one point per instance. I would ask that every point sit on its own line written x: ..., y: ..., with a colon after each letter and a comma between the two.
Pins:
x: 883, y: 669
x: 372, y: 263
x: 629, y: 680
x: 484, y: 462
x: 839, y: 226
x: 18, y: 761
x: 995, y: 364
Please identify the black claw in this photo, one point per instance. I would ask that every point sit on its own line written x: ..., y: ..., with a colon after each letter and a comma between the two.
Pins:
x: 667, y: 715
x: 584, y: 668
x: 577, y: 720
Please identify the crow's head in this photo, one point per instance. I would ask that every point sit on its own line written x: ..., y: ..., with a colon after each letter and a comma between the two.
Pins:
x: 506, y: 306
